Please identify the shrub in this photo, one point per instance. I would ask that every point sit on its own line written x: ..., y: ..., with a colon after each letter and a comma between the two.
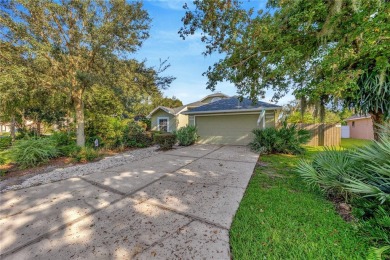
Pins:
x: 287, y: 139
x: 69, y: 150
x: 135, y: 136
x: 2, y: 160
x: 143, y: 125
x: 108, y: 130
x: 32, y: 152
x: 165, y: 141
x: 140, y: 140
x: 187, y: 135
x: 328, y: 171
x: 63, y: 138
x: 86, y: 154
x: 5, y: 142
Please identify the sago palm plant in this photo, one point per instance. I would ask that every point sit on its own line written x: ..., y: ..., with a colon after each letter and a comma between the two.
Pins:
x: 364, y: 171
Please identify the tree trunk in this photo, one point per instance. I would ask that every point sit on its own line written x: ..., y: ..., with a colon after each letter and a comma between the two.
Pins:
x: 79, y: 109
x: 38, y: 128
x: 13, y: 128
x: 377, y: 121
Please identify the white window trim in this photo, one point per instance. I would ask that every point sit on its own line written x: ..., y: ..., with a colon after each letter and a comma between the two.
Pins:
x: 158, y: 122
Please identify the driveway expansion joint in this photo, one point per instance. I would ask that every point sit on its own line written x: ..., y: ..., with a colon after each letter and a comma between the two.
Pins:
x: 102, y: 186
x: 204, y: 183
x: 190, y: 216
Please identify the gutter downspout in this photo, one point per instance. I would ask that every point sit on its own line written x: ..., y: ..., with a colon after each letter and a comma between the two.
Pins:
x: 261, y: 117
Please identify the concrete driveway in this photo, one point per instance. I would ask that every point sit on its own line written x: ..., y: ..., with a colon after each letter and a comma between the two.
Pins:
x: 177, y: 205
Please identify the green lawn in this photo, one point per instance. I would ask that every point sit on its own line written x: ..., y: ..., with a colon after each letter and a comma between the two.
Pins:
x: 348, y: 143
x: 280, y: 218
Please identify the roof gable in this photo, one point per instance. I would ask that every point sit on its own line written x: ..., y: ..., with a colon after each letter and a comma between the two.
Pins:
x: 165, y: 109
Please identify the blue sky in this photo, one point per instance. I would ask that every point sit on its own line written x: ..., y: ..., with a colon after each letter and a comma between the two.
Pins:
x: 185, y: 56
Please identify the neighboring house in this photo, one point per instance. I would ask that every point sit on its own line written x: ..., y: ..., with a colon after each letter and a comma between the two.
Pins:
x: 5, y: 127
x: 219, y: 119
x: 360, y: 127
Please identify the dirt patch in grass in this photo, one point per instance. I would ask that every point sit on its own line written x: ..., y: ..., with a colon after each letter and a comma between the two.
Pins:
x: 342, y: 208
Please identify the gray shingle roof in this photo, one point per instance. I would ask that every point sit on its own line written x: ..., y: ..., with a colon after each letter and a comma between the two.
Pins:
x: 193, y: 104
x: 232, y: 103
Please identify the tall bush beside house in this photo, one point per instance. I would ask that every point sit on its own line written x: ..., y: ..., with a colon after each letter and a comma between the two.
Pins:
x: 187, y: 135
x: 287, y: 139
x: 34, y: 151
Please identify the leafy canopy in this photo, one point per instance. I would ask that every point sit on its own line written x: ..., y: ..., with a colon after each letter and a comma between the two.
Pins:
x: 319, y: 49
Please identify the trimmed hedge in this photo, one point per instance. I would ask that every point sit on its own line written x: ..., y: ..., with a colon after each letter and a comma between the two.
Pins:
x: 165, y: 141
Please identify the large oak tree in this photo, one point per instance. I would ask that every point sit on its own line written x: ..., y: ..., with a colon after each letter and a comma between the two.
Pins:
x: 73, y: 45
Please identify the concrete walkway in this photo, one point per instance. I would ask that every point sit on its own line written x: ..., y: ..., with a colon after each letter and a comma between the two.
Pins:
x: 177, y: 205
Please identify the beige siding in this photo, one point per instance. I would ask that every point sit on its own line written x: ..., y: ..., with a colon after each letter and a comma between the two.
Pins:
x: 161, y: 113
x: 181, y: 120
x: 226, y: 129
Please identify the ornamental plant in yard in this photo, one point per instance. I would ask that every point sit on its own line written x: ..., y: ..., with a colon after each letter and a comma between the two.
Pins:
x: 287, y: 139
x: 187, y: 135
x: 33, y: 151
x: 5, y: 142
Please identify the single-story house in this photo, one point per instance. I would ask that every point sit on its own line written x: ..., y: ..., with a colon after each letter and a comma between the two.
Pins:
x: 360, y: 127
x: 219, y: 119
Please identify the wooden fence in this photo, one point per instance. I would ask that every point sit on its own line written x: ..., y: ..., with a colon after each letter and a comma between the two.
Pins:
x: 323, y: 134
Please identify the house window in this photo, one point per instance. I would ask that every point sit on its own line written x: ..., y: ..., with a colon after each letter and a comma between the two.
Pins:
x: 163, y: 124
x: 353, y: 123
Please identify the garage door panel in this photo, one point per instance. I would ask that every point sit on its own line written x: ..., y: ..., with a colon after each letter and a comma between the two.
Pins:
x: 226, y: 129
